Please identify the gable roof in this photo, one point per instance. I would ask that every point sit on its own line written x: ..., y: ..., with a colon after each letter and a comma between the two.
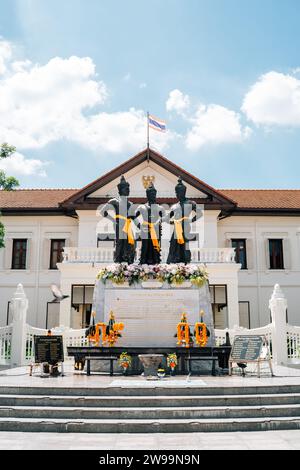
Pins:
x: 78, y: 198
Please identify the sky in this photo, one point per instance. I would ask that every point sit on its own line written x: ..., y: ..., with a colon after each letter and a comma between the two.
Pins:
x: 77, y: 78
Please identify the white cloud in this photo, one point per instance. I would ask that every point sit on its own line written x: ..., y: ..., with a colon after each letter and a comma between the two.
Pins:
x: 114, y: 132
x: 5, y: 55
x: 142, y: 85
x: 17, y: 164
x: 214, y: 124
x: 127, y: 77
x: 40, y: 104
x: 274, y: 100
x: 177, y: 102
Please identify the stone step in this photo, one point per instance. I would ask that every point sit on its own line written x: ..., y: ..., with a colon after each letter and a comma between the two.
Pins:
x: 136, y: 413
x: 149, y: 401
x: 187, y: 389
x: 147, y: 425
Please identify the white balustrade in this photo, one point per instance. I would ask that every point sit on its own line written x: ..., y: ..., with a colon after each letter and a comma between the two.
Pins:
x: 293, y: 343
x: 106, y: 255
x: 5, y: 344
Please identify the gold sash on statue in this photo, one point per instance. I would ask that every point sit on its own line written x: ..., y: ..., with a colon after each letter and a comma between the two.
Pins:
x: 127, y: 228
x: 179, y: 230
x: 153, y: 235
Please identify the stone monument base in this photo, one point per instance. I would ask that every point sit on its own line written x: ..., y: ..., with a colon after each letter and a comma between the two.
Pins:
x: 151, y: 314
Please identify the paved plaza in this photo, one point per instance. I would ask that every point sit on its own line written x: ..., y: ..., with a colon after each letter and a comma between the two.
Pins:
x: 269, y: 440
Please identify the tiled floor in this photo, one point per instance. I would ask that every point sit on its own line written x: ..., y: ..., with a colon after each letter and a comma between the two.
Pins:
x: 277, y: 440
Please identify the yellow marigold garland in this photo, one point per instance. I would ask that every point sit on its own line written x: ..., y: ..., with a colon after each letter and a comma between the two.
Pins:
x: 201, y: 334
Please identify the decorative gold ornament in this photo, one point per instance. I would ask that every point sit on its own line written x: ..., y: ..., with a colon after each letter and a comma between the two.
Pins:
x: 147, y: 180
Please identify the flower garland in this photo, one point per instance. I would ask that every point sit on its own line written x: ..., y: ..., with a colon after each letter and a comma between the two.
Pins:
x: 183, y: 332
x: 110, y: 333
x: 119, y: 273
x: 201, y: 334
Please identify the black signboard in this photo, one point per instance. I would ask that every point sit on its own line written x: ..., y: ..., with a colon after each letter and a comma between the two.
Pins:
x: 247, y: 348
x: 48, y: 349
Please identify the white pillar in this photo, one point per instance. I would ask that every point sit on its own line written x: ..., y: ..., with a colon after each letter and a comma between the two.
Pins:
x: 233, y: 304
x: 19, y: 305
x: 65, y: 305
x: 278, y: 307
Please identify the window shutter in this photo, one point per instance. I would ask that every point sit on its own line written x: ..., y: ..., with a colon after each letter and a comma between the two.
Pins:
x: 267, y: 253
x: 8, y: 253
x: 286, y: 253
x: 250, y: 253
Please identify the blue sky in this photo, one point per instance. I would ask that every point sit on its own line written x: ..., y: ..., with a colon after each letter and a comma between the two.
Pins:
x: 224, y: 74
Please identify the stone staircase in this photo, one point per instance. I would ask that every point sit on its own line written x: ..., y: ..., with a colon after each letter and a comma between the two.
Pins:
x: 149, y: 409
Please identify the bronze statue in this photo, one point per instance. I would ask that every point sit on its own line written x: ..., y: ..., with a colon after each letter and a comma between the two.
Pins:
x: 180, y: 217
x: 124, y: 242
x: 150, y: 227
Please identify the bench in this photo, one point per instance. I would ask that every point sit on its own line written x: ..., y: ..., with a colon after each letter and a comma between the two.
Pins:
x: 100, y: 358
x: 190, y: 359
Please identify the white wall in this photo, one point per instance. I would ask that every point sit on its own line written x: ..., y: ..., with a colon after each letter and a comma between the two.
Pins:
x: 256, y: 283
x: 37, y: 278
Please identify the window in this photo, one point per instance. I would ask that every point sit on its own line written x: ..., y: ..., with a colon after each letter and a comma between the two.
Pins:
x: 240, y: 252
x: 218, y: 297
x: 82, y: 300
x: 56, y: 252
x: 19, y: 254
x: 276, y: 254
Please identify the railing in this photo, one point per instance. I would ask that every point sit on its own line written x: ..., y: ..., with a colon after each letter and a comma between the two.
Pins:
x: 293, y: 342
x: 71, y: 337
x: 5, y: 344
x: 106, y: 255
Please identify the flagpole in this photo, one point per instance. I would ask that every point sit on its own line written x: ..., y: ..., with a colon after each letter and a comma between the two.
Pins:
x: 148, y: 140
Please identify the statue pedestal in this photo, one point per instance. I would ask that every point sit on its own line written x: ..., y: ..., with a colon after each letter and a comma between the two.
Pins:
x: 150, y: 315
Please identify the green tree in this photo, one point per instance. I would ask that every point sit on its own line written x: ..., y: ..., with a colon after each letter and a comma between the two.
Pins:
x: 7, y: 183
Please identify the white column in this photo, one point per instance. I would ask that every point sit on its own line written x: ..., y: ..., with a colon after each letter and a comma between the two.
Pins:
x: 233, y: 304
x: 65, y: 305
x: 278, y: 307
x: 19, y: 305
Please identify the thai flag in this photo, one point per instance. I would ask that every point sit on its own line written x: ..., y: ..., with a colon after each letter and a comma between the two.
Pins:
x: 156, y: 124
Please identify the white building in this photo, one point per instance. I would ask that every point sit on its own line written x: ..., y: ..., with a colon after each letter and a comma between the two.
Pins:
x: 53, y: 236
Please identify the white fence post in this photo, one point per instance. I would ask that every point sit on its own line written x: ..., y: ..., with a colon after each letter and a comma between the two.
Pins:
x: 278, y: 307
x: 19, y: 306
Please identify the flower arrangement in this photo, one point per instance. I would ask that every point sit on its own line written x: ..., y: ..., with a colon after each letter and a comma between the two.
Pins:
x: 172, y: 361
x: 119, y: 273
x: 125, y: 361
x: 184, y: 335
x: 109, y: 333
x: 201, y: 334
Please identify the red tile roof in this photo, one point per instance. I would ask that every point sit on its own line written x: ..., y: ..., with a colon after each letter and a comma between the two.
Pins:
x: 264, y: 198
x: 245, y: 198
x: 34, y: 198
